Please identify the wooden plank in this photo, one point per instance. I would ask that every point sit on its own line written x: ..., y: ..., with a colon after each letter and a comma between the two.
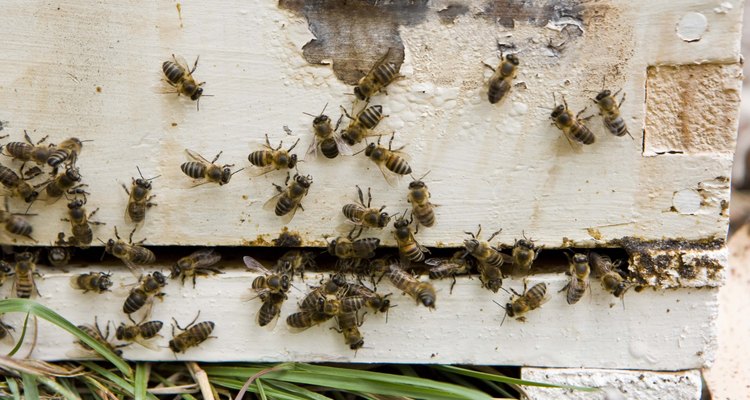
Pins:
x: 495, y: 155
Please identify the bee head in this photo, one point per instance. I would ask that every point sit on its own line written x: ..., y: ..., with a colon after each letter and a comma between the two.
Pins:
x: 332, y: 247
x: 73, y: 174
x: 176, y: 270
x: 416, y: 185
x: 120, y: 332
x: 370, y: 149
x: 603, y: 94
x: 427, y: 299
x: 173, y: 346
x: 558, y: 111
x: 358, y: 92
x: 579, y: 258
x: 509, y: 311
x: 292, y: 161
x: 384, y: 219
x: 104, y: 282
x: 495, y: 284
x: 226, y: 175
x: 160, y: 278
x: 304, y: 181
x: 471, y: 244
x: 526, y: 244
x: 143, y: 183
x: 285, y: 282
x: 77, y: 203
x: 321, y: 119
x: 197, y: 93
x: 512, y: 59
x: 4, y: 267
x: 24, y: 256
x: 31, y: 197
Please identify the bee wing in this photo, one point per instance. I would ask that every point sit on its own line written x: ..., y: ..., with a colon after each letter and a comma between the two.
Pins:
x: 344, y: 148
x: 180, y: 61
x: 270, y: 204
x: 197, y: 157
x: 260, y: 171
x: 287, y: 218
x: 164, y: 87
x: 206, y: 258
x: 277, y: 312
x: 391, y: 177
x: 135, y: 269
x: 149, y: 344
x: 434, y: 262
x: 254, y: 265
x: 345, y: 227
x: 313, y: 150
x: 380, y: 61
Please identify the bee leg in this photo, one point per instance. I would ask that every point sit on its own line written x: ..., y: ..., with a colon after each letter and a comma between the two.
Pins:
x: 194, y: 65
x: 126, y: 189
x: 564, y: 288
x: 278, y: 188
x: 622, y: 100
x: 493, y: 235
x: 361, y: 196
x: 489, y: 66
x: 452, y: 284
x: 293, y: 146
x: 217, y: 157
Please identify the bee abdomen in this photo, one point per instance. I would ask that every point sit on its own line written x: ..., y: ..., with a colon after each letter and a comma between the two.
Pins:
x: 19, y: 150
x: 575, y: 291
x: 582, y: 134
x: 497, y: 90
x: 18, y: 226
x: 616, y: 126
x: 425, y: 215
x: 385, y: 73
x: 150, y: 329
x: 8, y: 177
x: 398, y: 165
x: 413, y: 252
x: 172, y: 71
x: 260, y: 158
x: 284, y: 206
x: 57, y: 157
x: 536, y: 293
x: 136, y: 212
x: 193, y: 169
x: 495, y: 260
x: 142, y: 255
x: 24, y: 286
x: 83, y: 234
x: 352, y: 212
x: 136, y: 299
x: 329, y: 148
x: 371, y: 117
x: 299, y: 320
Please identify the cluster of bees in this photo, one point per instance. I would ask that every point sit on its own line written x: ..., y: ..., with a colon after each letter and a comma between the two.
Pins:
x: 337, y: 297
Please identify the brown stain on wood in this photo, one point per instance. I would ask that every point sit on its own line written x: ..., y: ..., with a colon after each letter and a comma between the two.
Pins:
x: 537, y: 13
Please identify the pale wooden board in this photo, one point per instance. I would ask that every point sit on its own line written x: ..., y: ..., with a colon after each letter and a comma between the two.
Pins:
x: 660, y: 330
x: 502, y: 163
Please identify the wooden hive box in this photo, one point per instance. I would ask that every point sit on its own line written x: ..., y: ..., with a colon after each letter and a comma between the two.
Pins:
x: 660, y: 197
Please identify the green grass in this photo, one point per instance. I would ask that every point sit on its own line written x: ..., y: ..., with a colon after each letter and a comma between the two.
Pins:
x: 116, y: 378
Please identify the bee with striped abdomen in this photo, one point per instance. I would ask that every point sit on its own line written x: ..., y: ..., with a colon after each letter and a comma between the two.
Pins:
x: 273, y: 159
x: 80, y: 223
x: 363, y: 215
x: 268, y: 282
x: 294, y: 261
x: 362, y: 125
x: 419, y: 198
x: 139, y: 198
x: 422, y: 292
x: 524, y: 253
x: 18, y: 185
x: 579, y: 278
x: 459, y: 264
x: 348, y: 324
x: 392, y: 163
x: 64, y: 182
x: 351, y: 250
x: 99, y: 336
x: 270, y: 309
x: 180, y: 77
x: 98, y: 282
x: 609, y: 109
x: 149, y: 287
x: 199, y: 263
x: 326, y: 140
x: 30, y: 151
x: 489, y: 260
x: 6, y: 270
x: 67, y: 152
x: 15, y: 223
x: 132, y: 254
x: 573, y: 127
x: 25, y: 269
x: 140, y: 333
x: 502, y: 77
x: 377, y: 78
x: 408, y: 248
x: 289, y: 199
x: 524, y: 302
x: 372, y: 299
x: 200, y: 168
x: 192, y: 335
x: 610, y: 278
x: 313, y: 312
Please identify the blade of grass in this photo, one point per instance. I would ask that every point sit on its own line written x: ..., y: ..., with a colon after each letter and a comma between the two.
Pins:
x: 121, y: 383
x: 237, y: 384
x: 497, y: 388
x: 261, y: 392
x: 13, y: 387
x: 67, y: 383
x: 17, y: 347
x: 141, y: 380
x: 57, y: 388
x: 30, y: 387
x: 509, y: 380
x: 30, y: 306
x: 165, y: 381
x: 297, y: 390
x: 97, y: 388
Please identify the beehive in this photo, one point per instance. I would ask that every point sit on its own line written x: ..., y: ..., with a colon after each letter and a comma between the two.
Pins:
x: 91, y: 71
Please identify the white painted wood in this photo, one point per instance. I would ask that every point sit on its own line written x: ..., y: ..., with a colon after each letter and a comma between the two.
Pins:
x: 615, y: 384
x: 501, y: 163
x: 665, y: 330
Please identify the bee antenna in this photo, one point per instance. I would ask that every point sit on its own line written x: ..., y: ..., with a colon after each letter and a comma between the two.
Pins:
x: 87, y: 140
x: 358, y: 152
x: 234, y: 171
x: 307, y: 113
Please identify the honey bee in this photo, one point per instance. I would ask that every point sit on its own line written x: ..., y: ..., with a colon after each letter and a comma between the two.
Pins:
x: 392, y: 163
x: 422, y: 292
x: 25, y: 269
x: 133, y: 255
x: 273, y: 159
x: 579, y: 278
x: 139, y: 200
x: 201, y: 168
x: 148, y: 287
x: 192, y: 335
x: 179, y: 75
x: 80, y: 223
x: 529, y: 300
x: 352, y: 250
x: 67, y: 151
x: 140, y: 333
x: 573, y: 127
x: 363, y: 215
x: 361, y: 126
x: 18, y: 185
x: 29, y: 151
x: 270, y: 309
x: 408, y: 248
x: 326, y: 140
x: 63, y: 183
x: 609, y: 109
x: 199, y: 263
x: 98, y: 282
x: 611, y: 280
x: 500, y: 82
x: 377, y: 78
x: 419, y: 198
x: 287, y: 201
x: 459, y: 264
x: 97, y: 335
x: 314, y: 312
x: 372, y: 299
x: 269, y: 282
x: 294, y: 261
x: 348, y: 325
x: 524, y: 254
x: 5, y: 331
x: 15, y: 223
x: 489, y: 260
x: 60, y: 255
